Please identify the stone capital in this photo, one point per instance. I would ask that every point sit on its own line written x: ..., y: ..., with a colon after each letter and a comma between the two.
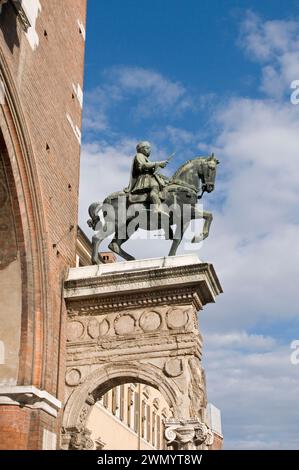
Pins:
x: 81, y: 440
x: 187, y: 434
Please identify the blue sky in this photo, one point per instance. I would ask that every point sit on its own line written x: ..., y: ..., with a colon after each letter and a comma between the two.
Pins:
x: 197, y: 77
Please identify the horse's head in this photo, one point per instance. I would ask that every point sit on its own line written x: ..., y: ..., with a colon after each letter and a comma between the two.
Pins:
x: 208, y: 173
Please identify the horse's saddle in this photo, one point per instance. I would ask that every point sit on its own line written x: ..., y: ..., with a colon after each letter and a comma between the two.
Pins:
x: 184, y: 196
x: 143, y: 197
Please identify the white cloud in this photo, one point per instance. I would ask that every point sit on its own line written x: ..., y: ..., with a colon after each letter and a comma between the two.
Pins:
x: 104, y: 170
x: 253, y: 246
x: 149, y: 94
x: 97, y: 104
x: 264, y: 40
x: 239, y: 340
x: 254, y: 234
x: 276, y: 45
x: 158, y: 91
x: 257, y: 394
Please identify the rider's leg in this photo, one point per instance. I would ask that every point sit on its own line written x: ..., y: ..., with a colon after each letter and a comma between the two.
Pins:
x: 156, y: 201
x: 155, y: 198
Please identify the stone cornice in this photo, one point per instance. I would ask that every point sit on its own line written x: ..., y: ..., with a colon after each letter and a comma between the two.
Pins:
x: 198, y: 279
x: 120, y: 301
x: 30, y: 397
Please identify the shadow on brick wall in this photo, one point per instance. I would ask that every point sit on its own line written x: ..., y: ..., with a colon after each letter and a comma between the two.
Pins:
x: 9, y: 26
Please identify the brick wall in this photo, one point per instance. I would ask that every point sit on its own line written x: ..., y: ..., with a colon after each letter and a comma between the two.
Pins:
x: 218, y: 442
x: 44, y: 81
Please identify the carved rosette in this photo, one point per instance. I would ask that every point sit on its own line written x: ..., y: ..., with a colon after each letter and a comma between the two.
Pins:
x: 187, y: 434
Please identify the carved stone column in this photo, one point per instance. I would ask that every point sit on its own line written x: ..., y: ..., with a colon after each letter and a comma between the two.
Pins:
x: 137, y: 321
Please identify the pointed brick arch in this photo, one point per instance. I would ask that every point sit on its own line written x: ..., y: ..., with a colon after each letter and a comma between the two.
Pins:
x: 22, y: 176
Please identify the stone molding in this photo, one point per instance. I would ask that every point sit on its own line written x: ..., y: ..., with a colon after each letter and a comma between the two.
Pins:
x: 96, y: 305
x: 29, y: 396
x: 200, y: 277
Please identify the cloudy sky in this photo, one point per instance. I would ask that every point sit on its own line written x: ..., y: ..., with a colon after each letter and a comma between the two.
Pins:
x: 202, y: 77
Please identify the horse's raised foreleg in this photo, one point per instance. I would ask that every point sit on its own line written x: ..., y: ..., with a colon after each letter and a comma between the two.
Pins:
x: 208, y: 217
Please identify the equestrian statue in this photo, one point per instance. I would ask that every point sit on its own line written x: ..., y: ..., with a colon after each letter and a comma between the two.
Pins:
x: 152, y: 202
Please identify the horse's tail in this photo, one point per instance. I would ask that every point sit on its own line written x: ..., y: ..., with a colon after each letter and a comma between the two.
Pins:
x: 93, y: 211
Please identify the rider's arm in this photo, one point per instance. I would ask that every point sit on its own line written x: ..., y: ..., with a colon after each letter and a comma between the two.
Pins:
x: 144, y: 165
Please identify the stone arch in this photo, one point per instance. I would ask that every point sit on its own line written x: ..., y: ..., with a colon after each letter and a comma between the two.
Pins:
x: 19, y: 161
x: 104, y: 378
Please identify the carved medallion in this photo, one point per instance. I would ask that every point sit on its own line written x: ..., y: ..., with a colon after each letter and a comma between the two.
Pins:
x: 104, y: 327
x: 124, y: 324
x: 150, y: 321
x: 73, y: 377
x: 173, y: 367
x: 176, y: 318
x: 93, y: 328
x: 74, y: 330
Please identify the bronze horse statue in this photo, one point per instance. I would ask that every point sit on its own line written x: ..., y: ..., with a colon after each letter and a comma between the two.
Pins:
x: 124, y: 213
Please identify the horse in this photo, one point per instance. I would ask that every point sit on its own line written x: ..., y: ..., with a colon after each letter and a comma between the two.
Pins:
x: 124, y: 213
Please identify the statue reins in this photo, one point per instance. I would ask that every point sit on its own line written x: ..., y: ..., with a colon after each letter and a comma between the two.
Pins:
x: 183, y: 184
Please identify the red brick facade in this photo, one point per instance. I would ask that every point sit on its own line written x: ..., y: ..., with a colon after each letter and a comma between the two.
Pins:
x: 218, y: 442
x: 40, y: 151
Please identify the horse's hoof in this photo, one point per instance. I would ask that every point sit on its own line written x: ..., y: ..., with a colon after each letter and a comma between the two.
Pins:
x: 114, y: 247
x: 197, y: 239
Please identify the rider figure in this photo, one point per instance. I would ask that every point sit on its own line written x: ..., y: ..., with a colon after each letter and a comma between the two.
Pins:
x: 144, y: 176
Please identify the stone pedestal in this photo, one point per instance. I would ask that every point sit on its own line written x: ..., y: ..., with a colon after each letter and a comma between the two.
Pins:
x: 136, y: 321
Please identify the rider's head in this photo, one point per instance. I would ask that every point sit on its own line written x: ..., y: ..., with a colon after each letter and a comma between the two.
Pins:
x: 144, y: 147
